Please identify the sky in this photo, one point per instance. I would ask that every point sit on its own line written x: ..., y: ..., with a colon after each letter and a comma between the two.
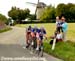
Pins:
x: 5, y: 5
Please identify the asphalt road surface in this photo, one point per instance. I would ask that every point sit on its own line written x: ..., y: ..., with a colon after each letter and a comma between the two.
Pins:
x: 12, y: 45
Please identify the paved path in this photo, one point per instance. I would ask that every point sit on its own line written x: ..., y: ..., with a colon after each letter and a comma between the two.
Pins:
x: 12, y: 37
x: 12, y: 43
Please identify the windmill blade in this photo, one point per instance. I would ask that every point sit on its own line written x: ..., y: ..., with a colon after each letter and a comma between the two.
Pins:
x: 31, y: 3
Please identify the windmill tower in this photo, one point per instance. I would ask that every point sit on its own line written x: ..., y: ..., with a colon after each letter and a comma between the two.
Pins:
x: 40, y: 6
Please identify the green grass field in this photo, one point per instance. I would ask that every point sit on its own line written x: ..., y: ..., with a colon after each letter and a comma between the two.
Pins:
x: 63, y: 50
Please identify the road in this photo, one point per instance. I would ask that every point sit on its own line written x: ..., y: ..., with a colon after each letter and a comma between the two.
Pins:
x: 11, y: 46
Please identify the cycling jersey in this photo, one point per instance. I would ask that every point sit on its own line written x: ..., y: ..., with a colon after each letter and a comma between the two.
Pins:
x: 42, y: 33
x: 34, y: 31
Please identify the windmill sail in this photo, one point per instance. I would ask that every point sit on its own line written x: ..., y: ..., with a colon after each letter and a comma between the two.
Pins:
x: 31, y: 3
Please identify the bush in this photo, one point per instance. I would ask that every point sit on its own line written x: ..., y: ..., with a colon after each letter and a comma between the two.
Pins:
x: 5, y: 29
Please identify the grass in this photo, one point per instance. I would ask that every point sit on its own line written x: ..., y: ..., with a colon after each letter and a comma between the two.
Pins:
x: 5, y: 29
x: 63, y: 50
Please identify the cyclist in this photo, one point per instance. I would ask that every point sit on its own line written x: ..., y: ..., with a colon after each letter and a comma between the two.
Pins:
x: 28, y: 35
x: 33, y: 34
x: 40, y: 35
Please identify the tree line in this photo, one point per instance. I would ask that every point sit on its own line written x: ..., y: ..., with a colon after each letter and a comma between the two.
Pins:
x: 18, y: 14
x: 66, y: 10
x: 3, y: 18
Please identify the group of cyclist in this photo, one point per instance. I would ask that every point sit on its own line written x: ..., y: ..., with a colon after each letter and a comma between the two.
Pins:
x: 35, y: 36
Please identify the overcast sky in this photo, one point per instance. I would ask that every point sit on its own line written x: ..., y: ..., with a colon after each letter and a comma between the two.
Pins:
x: 5, y: 5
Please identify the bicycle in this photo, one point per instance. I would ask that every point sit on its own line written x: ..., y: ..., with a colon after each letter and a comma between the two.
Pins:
x: 41, y: 48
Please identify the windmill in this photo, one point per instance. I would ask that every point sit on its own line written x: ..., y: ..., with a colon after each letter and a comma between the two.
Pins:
x: 40, y: 6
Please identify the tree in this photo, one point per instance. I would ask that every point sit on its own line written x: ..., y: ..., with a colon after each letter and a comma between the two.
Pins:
x: 72, y: 10
x: 60, y: 10
x: 69, y: 14
x: 32, y: 17
x: 13, y: 13
x: 48, y: 14
x: 18, y: 14
x: 23, y: 14
x: 3, y: 18
x: 67, y: 10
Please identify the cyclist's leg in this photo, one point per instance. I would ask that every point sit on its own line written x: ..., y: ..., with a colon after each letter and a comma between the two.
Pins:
x: 38, y: 43
x: 29, y: 39
x: 41, y: 42
x: 26, y: 40
x: 35, y: 43
x: 41, y: 48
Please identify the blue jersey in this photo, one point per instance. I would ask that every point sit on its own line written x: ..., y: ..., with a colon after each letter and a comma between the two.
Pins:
x: 35, y: 30
x: 41, y: 33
